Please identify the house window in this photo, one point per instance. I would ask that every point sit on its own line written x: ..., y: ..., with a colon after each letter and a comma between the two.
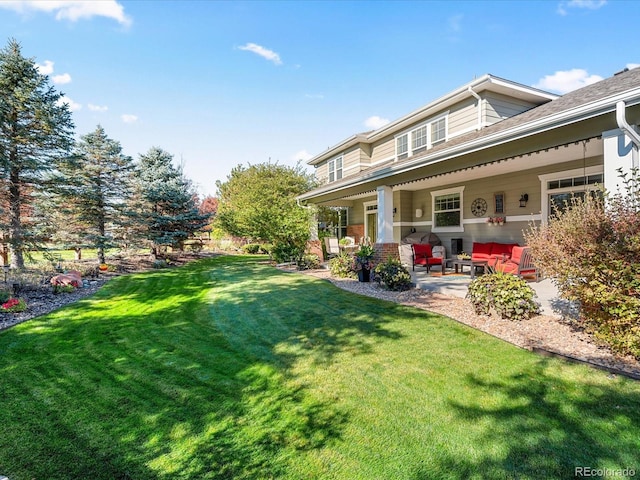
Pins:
x: 402, y: 146
x: 558, y: 189
x: 335, y: 169
x: 439, y: 130
x: 447, y: 210
x: 419, y: 138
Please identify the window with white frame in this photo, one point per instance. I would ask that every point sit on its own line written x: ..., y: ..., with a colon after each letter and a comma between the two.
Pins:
x: 447, y: 210
x: 402, y: 146
x: 335, y: 169
x: 419, y: 138
x: 439, y: 130
x: 560, y: 188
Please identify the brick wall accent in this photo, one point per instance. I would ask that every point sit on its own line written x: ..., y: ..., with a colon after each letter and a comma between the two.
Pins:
x: 385, y: 250
x: 356, y: 231
x: 314, y: 246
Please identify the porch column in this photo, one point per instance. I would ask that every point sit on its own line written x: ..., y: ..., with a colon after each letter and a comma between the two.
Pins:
x: 619, y: 153
x: 385, y: 215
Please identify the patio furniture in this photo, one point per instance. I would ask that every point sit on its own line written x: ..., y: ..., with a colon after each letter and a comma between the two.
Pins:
x: 491, y: 252
x: 472, y: 264
x: 423, y: 255
x: 520, y: 263
x: 332, y: 246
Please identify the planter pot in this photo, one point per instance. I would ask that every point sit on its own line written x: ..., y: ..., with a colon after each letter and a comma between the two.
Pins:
x: 363, y: 275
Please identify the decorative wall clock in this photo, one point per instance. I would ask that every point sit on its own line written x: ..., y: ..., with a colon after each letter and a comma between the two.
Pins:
x: 479, y: 207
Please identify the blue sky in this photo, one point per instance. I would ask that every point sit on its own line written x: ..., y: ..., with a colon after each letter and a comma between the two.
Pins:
x: 219, y: 83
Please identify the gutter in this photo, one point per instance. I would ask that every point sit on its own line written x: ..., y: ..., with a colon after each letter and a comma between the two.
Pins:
x: 477, y: 97
x: 624, y: 125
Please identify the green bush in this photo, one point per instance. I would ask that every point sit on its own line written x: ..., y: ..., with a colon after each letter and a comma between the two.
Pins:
x: 251, y: 248
x: 4, y: 295
x: 591, y: 250
x: 393, y: 275
x: 341, y: 266
x: 508, y: 295
x: 309, y: 261
x: 63, y: 289
x: 14, y: 305
x: 287, y: 251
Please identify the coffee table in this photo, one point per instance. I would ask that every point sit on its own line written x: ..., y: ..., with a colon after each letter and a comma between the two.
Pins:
x: 473, y: 264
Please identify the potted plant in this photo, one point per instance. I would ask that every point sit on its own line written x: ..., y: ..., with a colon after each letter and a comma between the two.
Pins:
x: 363, y: 262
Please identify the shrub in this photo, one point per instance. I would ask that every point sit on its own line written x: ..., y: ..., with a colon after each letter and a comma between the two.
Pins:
x: 591, y: 250
x: 309, y: 261
x: 393, y: 275
x: 287, y: 251
x: 251, y: 248
x: 508, y: 295
x: 4, y: 295
x: 160, y: 263
x: 14, y: 305
x: 63, y: 289
x: 341, y: 266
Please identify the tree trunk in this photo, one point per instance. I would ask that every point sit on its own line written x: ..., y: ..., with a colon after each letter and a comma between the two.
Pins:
x: 15, y: 226
x: 78, y: 253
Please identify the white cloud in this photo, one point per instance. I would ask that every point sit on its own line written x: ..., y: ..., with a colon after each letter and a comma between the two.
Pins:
x: 97, y: 108
x: 263, y: 52
x: 73, y: 106
x: 45, y: 68
x: 72, y: 10
x: 631, y: 66
x: 314, y: 95
x: 301, y: 155
x: 586, y: 4
x: 128, y: 118
x: 61, y: 79
x: 567, y: 81
x: 375, y: 122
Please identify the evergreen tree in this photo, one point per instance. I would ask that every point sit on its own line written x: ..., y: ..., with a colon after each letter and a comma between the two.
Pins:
x: 164, y: 201
x: 35, y: 131
x: 93, y: 192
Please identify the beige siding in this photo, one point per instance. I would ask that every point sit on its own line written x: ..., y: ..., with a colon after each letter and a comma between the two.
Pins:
x: 498, y: 107
x: 322, y: 173
x: 383, y: 149
x: 351, y: 159
x: 463, y: 117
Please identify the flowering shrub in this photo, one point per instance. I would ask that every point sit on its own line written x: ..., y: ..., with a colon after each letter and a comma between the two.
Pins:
x: 363, y: 259
x: 341, y: 266
x: 507, y: 294
x: 309, y: 261
x: 14, y: 305
x: 393, y: 275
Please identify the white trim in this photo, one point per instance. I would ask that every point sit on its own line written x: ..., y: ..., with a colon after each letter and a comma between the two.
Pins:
x: 576, y: 172
x: 449, y: 191
x: 366, y: 215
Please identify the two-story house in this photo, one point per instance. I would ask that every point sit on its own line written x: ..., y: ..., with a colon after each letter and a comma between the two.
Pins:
x: 490, y: 149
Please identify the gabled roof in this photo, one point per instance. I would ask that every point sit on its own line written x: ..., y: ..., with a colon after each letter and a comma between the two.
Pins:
x: 486, y: 82
x: 587, y: 102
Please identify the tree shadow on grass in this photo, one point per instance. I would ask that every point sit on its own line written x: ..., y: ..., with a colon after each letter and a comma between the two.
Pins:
x: 181, y: 383
x: 549, y: 426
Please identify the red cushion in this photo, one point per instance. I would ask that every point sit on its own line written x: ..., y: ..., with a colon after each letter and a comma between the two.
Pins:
x: 499, y: 249
x: 507, y: 267
x: 422, y: 250
x: 516, y: 254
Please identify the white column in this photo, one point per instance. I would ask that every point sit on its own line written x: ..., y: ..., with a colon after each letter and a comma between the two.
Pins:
x: 619, y: 153
x: 385, y: 215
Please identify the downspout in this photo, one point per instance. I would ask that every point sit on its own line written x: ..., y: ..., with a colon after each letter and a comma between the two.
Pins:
x: 477, y: 97
x: 624, y: 126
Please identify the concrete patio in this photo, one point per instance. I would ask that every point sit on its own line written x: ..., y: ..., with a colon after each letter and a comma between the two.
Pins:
x: 457, y: 284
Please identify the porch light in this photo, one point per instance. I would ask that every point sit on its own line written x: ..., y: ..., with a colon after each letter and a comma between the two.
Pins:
x: 418, y: 213
x: 524, y: 198
x: 5, y: 269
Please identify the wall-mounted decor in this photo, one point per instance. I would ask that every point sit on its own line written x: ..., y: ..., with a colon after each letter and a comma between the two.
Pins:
x: 479, y: 207
x: 498, y: 202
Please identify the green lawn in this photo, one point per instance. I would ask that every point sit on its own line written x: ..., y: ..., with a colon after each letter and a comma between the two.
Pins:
x: 228, y: 368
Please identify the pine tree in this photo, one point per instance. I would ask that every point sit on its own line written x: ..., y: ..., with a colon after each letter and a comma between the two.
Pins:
x: 93, y: 193
x: 35, y: 132
x: 164, y: 201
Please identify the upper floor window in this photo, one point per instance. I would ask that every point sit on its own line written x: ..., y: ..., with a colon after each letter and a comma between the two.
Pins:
x: 439, y: 130
x: 447, y: 210
x: 402, y: 145
x: 422, y: 137
x: 419, y: 138
x: 335, y: 169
